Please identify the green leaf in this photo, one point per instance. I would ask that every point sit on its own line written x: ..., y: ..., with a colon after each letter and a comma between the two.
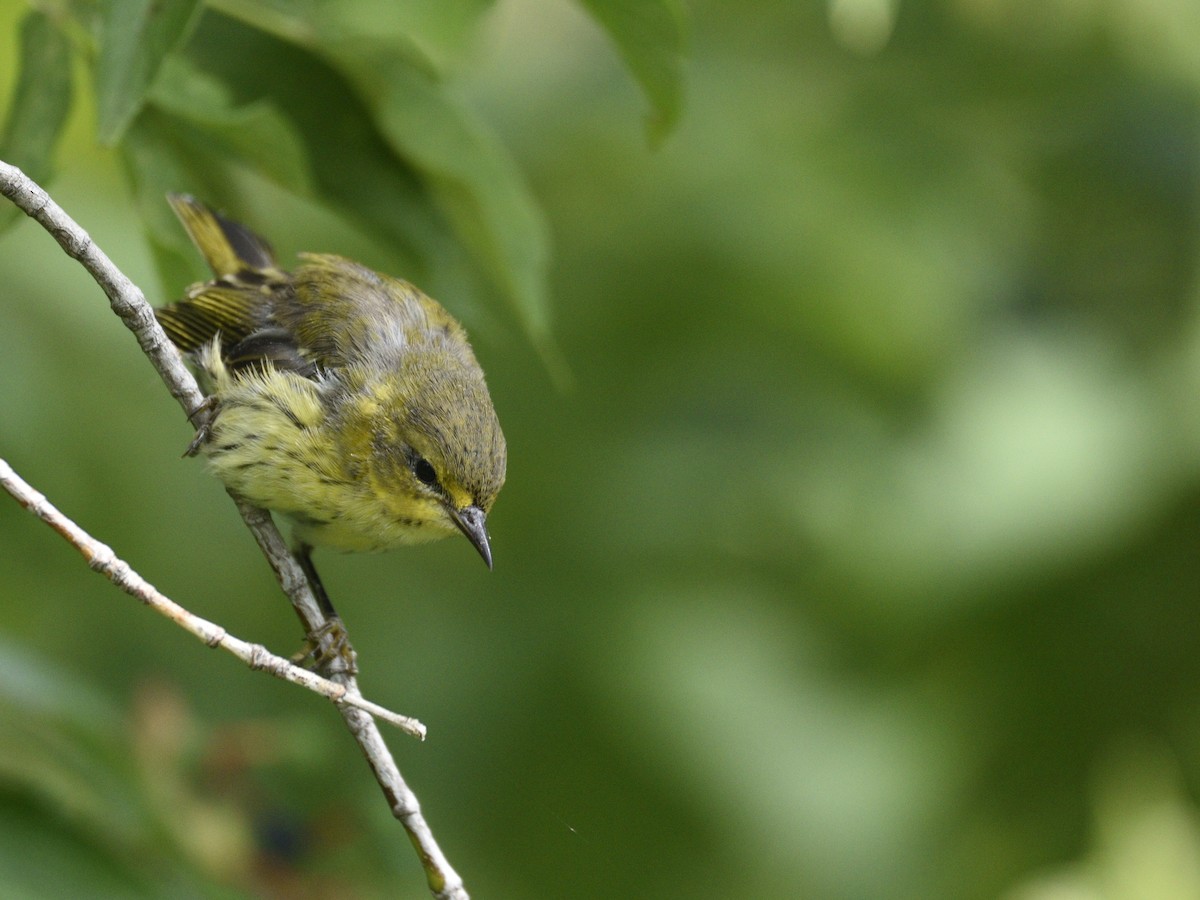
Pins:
x: 351, y: 167
x: 136, y: 36
x: 314, y: 138
x: 158, y: 159
x: 255, y: 134
x: 651, y: 37
x: 160, y: 156
x: 192, y: 136
x: 40, y: 103
x: 468, y: 170
x: 441, y: 29
x: 436, y: 30
x: 453, y: 158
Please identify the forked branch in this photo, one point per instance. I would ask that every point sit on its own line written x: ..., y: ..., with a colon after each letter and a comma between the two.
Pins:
x: 129, y: 303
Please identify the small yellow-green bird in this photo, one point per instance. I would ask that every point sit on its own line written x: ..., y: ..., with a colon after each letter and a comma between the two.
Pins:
x: 347, y: 401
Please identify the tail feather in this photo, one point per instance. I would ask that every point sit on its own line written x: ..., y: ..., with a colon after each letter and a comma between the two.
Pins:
x: 228, y: 247
x: 237, y: 303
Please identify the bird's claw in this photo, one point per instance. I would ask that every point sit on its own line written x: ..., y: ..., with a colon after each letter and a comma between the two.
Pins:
x: 206, y: 412
x: 328, y: 650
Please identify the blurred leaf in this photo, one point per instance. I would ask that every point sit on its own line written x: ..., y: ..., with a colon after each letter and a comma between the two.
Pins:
x: 433, y: 30
x: 471, y: 175
x: 465, y: 167
x: 158, y: 159
x: 163, y: 153
x: 92, y: 804
x: 42, y: 856
x: 351, y: 167
x: 136, y: 37
x: 254, y: 134
x: 34, y: 688
x: 439, y: 28
x: 189, y: 138
x: 62, y: 750
x: 650, y: 36
x: 1146, y: 841
x: 40, y: 103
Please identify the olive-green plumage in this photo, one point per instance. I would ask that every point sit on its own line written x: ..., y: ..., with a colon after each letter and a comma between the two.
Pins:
x: 343, y: 399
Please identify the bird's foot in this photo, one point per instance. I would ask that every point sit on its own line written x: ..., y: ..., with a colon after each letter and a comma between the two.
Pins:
x: 328, y: 651
x: 205, y: 413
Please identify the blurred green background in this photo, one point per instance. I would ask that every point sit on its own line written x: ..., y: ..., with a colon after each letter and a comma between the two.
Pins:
x: 859, y: 559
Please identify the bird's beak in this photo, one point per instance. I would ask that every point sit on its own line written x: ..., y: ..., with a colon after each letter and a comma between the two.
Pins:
x: 472, y: 522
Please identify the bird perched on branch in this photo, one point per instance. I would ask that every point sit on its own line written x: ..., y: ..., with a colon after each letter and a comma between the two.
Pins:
x: 347, y: 401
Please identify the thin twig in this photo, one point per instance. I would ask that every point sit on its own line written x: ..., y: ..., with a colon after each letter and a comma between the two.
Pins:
x: 130, y: 304
x: 101, y: 557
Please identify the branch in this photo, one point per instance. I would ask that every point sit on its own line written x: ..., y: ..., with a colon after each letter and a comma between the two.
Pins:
x: 102, y: 558
x: 130, y: 305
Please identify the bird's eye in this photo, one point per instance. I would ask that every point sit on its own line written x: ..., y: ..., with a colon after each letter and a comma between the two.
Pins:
x: 425, y: 472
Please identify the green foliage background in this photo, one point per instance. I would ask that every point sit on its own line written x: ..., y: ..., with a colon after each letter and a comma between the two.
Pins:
x: 849, y: 547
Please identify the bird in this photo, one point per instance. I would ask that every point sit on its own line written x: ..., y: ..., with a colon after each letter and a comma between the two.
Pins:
x: 346, y: 401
